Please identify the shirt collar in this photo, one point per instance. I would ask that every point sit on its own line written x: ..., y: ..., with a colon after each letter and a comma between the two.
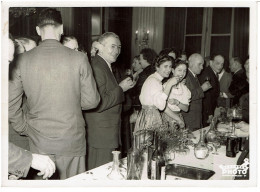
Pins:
x: 192, y: 72
x: 109, y: 64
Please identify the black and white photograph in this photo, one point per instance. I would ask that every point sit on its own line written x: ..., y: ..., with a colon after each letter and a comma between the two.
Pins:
x: 129, y: 94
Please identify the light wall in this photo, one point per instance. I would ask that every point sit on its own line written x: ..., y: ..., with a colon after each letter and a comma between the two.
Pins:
x: 147, y: 18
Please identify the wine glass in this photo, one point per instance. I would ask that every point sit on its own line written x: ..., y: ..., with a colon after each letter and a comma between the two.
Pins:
x: 169, y: 156
x: 129, y: 73
x: 216, y: 144
x: 207, y: 78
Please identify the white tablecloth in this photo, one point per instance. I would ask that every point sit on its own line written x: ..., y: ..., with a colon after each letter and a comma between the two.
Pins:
x: 212, y: 162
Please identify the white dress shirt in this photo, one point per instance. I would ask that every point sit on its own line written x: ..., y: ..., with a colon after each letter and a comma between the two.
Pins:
x: 182, y: 94
x: 152, y: 92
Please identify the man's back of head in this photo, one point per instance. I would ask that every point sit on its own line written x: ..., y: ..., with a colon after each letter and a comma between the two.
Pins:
x: 49, y: 16
x: 49, y: 24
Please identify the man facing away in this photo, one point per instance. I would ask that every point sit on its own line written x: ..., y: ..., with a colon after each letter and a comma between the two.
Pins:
x: 193, y: 118
x: 103, y: 123
x: 58, y: 83
x: 20, y: 160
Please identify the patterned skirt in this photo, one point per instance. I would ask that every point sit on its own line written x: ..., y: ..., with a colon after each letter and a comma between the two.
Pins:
x: 148, y: 119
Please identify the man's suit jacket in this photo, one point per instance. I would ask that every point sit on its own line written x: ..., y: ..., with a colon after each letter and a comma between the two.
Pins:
x: 225, y: 82
x: 58, y: 83
x: 209, y: 102
x: 239, y: 86
x: 103, y: 122
x: 193, y: 117
x: 19, y: 161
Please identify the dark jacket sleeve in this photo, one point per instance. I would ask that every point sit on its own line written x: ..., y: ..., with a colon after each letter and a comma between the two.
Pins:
x: 110, y: 96
x: 238, y: 87
x: 90, y: 97
x: 19, y: 161
x: 196, y: 92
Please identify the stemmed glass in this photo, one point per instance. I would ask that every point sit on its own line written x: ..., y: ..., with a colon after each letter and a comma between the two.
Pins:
x: 207, y: 78
x: 129, y: 73
x: 216, y: 144
x: 169, y: 156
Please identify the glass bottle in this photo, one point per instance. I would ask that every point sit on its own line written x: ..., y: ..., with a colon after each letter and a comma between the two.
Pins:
x: 133, y: 163
x: 115, y: 173
x: 157, y: 161
x: 201, y: 151
x: 211, y: 134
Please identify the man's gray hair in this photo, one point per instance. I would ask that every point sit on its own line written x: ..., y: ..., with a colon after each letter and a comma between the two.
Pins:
x: 193, y: 57
x: 104, y: 36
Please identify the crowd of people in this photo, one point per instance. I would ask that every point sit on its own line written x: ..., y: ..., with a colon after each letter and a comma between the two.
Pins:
x: 69, y: 114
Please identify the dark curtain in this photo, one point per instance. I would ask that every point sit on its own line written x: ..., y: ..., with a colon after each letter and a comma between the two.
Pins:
x: 82, y: 24
x: 174, y: 27
x: 120, y: 22
x: 241, y: 33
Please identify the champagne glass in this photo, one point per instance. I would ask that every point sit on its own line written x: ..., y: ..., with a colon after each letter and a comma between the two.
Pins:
x: 129, y: 73
x: 179, y: 80
x: 169, y: 156
x: 207, y: 78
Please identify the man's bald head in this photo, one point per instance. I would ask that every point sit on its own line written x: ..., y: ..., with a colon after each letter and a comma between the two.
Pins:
x: 217, y: 64
x: 196, y: 62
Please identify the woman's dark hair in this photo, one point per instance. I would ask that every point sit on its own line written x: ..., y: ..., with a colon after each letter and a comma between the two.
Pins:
x: 166, y: 51
x: 65, y: 39
x: 137, y: 57
x: 49, y: 16
x: 163, y: 58
x: 179, y: 62
x: 149, y: 55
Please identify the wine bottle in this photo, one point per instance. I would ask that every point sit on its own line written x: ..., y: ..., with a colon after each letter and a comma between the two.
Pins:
x: 157, y: 161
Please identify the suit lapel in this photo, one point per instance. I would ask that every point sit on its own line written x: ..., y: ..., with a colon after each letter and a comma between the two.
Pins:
x: 107, y: 69
x: 193, y: 79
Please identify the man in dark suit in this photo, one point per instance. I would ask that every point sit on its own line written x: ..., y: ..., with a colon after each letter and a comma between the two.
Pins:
x: 210, y: 73
x: 103, y: 123
x: 239, y: 85
x: 58, y: 83
x: 193, y: 118
x: 147, y: 57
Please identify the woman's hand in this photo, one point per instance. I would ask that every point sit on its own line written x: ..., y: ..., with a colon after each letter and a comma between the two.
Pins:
x: 173, y: 81
x: 181, y: 123
x: 183, y: 81
x: 173, y: 101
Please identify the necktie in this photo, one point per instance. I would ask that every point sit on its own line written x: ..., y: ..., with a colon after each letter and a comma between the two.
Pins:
x: 217, y: 76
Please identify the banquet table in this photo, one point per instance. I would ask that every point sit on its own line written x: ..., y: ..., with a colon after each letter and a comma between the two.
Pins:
x: 212, y: 162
